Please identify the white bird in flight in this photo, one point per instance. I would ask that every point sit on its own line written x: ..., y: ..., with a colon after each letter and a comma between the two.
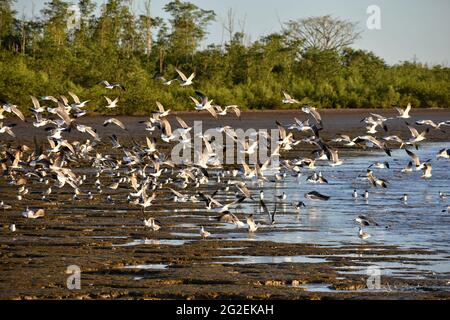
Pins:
x: 186, y: 81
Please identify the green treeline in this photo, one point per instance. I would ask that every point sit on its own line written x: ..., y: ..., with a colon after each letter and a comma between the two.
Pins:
x: 66, y: 49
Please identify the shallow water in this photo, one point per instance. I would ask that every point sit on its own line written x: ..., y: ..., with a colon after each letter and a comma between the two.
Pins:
x: 138, y: 242
x: 148, y: 266
x: 417, y: 224
x: 269, y: 259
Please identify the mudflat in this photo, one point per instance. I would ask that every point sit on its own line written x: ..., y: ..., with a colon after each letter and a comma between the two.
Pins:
x: 121, y: 259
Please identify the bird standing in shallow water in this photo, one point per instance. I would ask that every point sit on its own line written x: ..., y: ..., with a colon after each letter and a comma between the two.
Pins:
x: 299, y: 206
x: 282, y: 196
x: 363, y: 235
x: 404, y: 199
x: 153, y: 224
x: 252, y: 227
x: 203, y: 233
x: 33, y: 215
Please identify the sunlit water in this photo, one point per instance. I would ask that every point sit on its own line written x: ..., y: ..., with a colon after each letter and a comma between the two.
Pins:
x: 417, y: 224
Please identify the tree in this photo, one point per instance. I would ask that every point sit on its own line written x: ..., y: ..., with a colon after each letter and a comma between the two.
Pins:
x: 146, y: 23
x: 323, y: 33
x: 116, y: 45
x: 55, y: 19
x: 6, y: 19
x: 87, y: 18
x: 189, y: 24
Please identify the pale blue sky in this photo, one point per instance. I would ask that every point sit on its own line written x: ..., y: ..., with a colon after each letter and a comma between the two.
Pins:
x: 409, y: 28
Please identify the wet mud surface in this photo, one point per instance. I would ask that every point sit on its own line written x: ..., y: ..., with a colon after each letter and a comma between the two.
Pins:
x: 121, y: 259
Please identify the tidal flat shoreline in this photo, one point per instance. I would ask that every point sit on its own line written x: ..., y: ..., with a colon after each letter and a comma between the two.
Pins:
x: 120, y: 259
x: 335, y: 121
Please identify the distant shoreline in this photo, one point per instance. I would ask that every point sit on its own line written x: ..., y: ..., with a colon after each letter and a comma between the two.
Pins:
x: 280, y: 110
x: 335, y: 121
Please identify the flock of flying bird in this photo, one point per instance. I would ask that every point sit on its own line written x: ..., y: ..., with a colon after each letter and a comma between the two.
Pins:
x: 146, y: 170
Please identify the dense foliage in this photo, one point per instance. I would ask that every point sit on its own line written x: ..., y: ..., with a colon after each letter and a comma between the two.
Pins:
x: 44, y: 56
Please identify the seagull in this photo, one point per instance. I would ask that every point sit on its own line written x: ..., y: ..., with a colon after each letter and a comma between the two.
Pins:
x: 33, y: 215
x: 299, y: 205
x: 89, y: 130
x: 372, y: 128
x: 203, y: 233
x: 335, y: 158
x: 380, y: 165
x: 77, y: 102
x: 408, y: 167
x: 266, y: 210
x: 49, y: 98
x: 223, y: 112
x: 146, y: 201
x: 404, y: 198
x: 114, y: 121
x: 375, y: 181
x: 167, y: 134
x: 373, y: 124
x: 416, y: 137
x: 312, y: 111
x: 107, y: 85
x: 153, y: 224
x: 6, y: 106
x: 167, y: 82
x: 186, y: 81
x: 4, y: 206
x: 394, y: 138
x: 37, y: 106
x: 314, y: 195
x: 344, y: 138
x: 184, y: 127
x: 404, y: 114
x: 366, y: 195
x: 303, y: 126
x: 162, y: 112
x: 178, y: 197
x: 416, y: 160
x: 226, y: 207
x: 12, y: 228
x: 355, y: 194
x: 282, y: 196
x: 252, y: 227
x: 317, y: 178
x: 427, y: 171
x: 111, y: 103
x: 115, y: 142
x: 288, y: 99
x: 363, y: 235
x: 205, y: 104
x: 370, y: 141
x: 229, y: 217
x: 242, y: 187
x: 442, y: 195
x: 443, y: 153
x: 7, y: 129
x: 432, y: 124
x: 62, y: 112
x: 364, y: 220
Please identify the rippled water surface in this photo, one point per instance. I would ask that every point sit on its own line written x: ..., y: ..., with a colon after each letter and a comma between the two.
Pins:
x: 417, y: 224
